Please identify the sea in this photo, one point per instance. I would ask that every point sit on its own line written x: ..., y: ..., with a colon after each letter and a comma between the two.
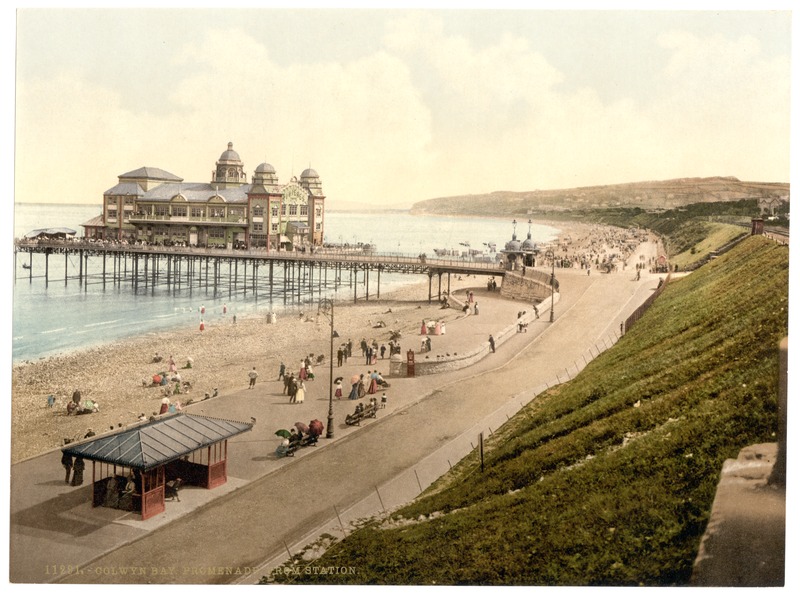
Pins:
x: 62, y: 316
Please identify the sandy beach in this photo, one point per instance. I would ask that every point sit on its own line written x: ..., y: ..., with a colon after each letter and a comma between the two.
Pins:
x: 117, y: 375
x: 112, y: 375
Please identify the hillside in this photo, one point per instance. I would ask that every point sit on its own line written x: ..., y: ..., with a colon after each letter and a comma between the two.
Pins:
x: 649, y: 195
x: 607, y: 479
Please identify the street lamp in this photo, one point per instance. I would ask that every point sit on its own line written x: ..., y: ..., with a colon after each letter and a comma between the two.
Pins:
x: 324, y: 306
x: 551, y: 255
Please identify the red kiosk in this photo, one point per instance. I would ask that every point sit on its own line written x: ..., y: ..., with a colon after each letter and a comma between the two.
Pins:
x: 410, y: 366
x: 153, y: 456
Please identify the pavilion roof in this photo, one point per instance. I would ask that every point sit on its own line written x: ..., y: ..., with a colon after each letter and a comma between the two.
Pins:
x: 157, y: 442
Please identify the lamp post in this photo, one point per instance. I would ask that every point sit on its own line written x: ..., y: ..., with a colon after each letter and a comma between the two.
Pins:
x: 551, y: 255
x: 324, y: 305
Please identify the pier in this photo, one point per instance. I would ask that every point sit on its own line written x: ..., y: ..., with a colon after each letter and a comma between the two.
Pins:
x: 281, y: 275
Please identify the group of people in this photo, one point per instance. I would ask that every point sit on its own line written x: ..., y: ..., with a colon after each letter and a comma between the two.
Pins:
x: 76, y: 407
x: 75, y: 466
x: 364, y: 385
x: 120, y: 495
x: 168, y: 407
x: 361, y: 407
x: 165, y: 379
x: 370, y: 351
x: 344, y: 352
x: 294, y: 387
x: 306, y: 371
x: 603, y: 245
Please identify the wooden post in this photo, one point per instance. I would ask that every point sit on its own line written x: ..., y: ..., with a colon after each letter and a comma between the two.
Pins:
x: 481, y: 445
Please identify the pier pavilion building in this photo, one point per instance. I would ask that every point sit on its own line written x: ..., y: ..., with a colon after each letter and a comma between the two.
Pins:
x: 154, y: 206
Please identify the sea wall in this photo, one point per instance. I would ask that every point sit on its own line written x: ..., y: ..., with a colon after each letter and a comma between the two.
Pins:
x: 532, y: 287
x: 398, y: 366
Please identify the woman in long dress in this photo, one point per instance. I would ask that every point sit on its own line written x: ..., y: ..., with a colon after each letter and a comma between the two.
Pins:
x: 338, y: 393
x: 77, y: 471
x: 126, y: 499
x: 354, y: 392
x: 373, y: 384
x: 301, y: 392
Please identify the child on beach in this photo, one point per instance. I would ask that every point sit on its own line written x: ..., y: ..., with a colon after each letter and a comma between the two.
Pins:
x: 253, y: 375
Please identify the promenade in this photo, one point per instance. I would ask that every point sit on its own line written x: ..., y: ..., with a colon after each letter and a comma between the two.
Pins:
x: 234, y: 533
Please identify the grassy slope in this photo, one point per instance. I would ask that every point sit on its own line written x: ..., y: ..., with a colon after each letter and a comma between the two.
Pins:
x: 584, y: 487
x: 715, y: 236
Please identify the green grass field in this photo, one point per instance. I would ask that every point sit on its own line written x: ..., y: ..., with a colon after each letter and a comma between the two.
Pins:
x: 608, y: 479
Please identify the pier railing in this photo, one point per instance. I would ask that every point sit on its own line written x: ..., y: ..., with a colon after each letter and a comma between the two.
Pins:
x: 483, y: 263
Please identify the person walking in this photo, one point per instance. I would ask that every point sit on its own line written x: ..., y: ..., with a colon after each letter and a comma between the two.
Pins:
x: 77, y: 471
x: 253, y: 376
x: 491, y: 343
x: 282, y: 372
x: 300, y: 392
x: 354, y: 391
x: 383, y: 350
x: 339, y: 357
x: 287, y: 377
x: 66, y: 461
x: 293, y: 385
x: 536, y: 311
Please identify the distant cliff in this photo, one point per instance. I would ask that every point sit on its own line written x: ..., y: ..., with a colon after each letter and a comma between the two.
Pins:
x: 649, y: 195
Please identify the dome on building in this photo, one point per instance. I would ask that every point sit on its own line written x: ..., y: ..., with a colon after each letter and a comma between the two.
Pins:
x: 230, y: 154
x: 513, y: 245
x: 265, y: 168
x: 528, y: 244
x: 309, y: 173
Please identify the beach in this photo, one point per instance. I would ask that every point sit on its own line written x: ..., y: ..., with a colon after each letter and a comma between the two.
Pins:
x: 118, y: 375
x: 114, y: 375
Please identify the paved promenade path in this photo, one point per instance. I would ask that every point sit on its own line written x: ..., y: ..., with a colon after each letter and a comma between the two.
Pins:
x: 271, y: 503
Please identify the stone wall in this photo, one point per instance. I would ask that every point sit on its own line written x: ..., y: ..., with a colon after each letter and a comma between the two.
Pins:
x: 518, y: 287
x: 398, y: 367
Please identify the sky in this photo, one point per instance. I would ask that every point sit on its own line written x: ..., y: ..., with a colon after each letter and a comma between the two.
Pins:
x: 395, y: 106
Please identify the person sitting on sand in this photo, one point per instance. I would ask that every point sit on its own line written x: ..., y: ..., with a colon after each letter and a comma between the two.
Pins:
x: 72, y: 407
x: 90, y: 406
